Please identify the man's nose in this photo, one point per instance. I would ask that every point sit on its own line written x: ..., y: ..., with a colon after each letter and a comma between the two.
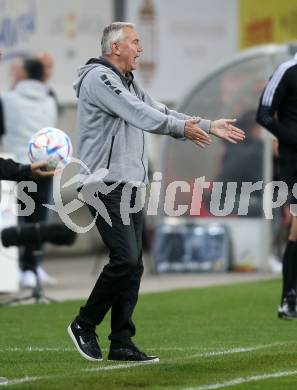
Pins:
x: 140, y: 48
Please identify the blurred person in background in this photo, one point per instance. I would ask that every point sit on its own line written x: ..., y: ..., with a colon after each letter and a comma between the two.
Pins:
x: 17, y: 70
x: 277, y: 112
x: 113, y: 113
x: 11, y: 170
x: 48, y: 65
x: 27, y: 108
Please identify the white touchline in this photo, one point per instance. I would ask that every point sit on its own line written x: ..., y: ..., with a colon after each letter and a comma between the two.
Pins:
x: 223, y: 352
x: 240, y: 380
x: 117, y: 366
x: 59, y: 349
x: 18, y: 381
x: 30, y: 348
x: 130, y: 365
x: 229, y: 351
x: 233, y: 382
x: 36, y: 349
x: 205, y: 354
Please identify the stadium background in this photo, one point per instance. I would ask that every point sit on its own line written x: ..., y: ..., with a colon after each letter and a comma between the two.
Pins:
x: 183, y: 42
x: 215, y: 330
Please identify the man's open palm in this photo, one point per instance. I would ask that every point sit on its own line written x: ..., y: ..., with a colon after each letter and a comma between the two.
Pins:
x: 224, y: 129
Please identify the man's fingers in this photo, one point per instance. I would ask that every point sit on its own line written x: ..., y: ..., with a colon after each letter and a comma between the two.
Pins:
x: 230, y: 121
x: 202, y: 135
x: 202, y: 138
x: 237, y: 136
x: 38, y: 165
x: 237, y: 130
x: 201, y: 145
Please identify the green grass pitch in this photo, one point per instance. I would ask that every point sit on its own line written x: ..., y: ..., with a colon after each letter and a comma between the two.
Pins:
x: 207, y: 338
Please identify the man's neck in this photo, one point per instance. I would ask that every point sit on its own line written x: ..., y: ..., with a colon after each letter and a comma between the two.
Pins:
x: 116, y: 64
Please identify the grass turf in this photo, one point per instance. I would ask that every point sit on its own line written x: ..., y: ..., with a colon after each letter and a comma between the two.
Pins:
x: 202, y: 336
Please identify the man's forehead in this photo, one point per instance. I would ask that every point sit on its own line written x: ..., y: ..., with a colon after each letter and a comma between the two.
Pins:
x: 129, y: 32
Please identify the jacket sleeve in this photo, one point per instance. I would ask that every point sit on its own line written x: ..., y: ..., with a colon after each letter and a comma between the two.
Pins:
x: 11, y: 170
x: 272, y: 98
x: 105, y: 91
x: 204, y: 124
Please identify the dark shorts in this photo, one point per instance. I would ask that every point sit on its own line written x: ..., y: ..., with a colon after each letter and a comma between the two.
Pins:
x: 288, y: 174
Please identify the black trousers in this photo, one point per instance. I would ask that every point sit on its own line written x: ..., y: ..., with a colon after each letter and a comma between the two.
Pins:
x: 31, y: 256
x: 118, y: 284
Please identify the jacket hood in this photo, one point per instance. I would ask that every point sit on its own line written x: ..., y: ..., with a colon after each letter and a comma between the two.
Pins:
x: 94, y: 63
x: 82, y: 72
x: 32, y: 89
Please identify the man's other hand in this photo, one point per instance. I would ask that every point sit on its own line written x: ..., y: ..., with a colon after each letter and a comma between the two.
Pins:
x: 224, y: 129
x: 195, y: 134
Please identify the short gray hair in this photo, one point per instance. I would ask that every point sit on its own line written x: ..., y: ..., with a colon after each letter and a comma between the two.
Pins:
x: 111, y: 34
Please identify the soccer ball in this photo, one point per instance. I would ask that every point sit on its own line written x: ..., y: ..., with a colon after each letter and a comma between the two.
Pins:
x: 51, y: 145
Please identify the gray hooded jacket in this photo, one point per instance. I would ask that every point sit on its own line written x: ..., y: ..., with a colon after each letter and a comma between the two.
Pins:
x: 112, y: 116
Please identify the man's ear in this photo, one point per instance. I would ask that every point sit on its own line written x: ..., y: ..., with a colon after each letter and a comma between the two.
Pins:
x: 115, y: 48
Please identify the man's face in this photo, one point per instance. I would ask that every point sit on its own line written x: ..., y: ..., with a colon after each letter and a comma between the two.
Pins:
x: 48, y: 64
x: 129, y: 49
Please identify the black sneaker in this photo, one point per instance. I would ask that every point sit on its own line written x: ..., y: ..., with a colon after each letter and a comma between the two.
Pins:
x: 130, y: 354
x: 85, y: 341
x: 285, y: 312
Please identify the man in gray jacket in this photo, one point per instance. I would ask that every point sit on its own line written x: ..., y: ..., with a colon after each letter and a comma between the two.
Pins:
x: 113, y: 113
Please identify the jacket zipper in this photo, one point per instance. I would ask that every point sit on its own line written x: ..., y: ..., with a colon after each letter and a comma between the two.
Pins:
x: 110, y: 151
x: 142, y: 157
x: 136, y: 93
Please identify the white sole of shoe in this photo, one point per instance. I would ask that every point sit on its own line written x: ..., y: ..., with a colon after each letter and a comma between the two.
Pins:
x: 156, y: 360
x: 84, y: 355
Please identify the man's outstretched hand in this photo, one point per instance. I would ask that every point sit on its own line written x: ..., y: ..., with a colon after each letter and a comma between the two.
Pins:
x: 224, y: 129
x: 195, y: 134
x: 38, y: 169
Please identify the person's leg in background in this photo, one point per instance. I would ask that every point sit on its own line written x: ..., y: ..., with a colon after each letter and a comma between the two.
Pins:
x: 288, y: 298
x: 287, y: 308
x: 31, y: 256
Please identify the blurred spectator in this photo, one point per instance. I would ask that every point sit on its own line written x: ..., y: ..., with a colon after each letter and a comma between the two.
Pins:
x: 17, y: 72
x: 48, y: 65
x: 11, y: 170
x: 26, y: 109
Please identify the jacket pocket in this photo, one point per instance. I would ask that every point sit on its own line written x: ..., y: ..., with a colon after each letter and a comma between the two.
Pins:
x: 110, y: 151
